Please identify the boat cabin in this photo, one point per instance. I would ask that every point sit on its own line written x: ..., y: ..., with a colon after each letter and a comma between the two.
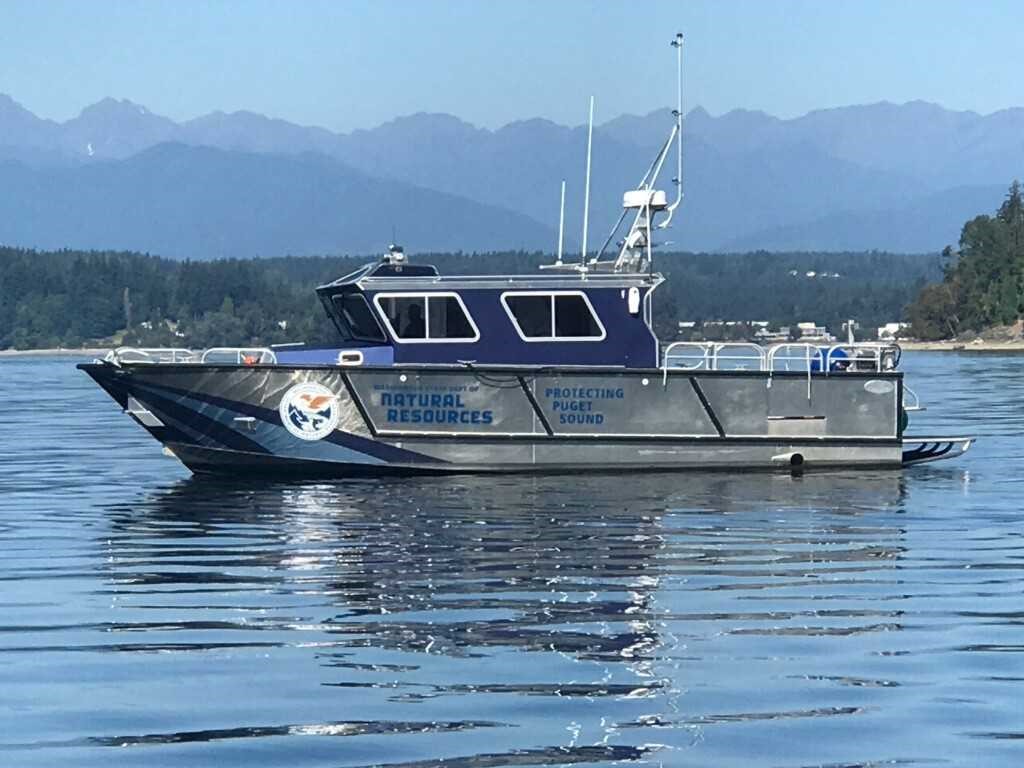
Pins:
x: 393, y: 312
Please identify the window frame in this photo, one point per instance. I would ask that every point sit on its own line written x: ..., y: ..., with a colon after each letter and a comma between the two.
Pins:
x: 426, y: 296
x: 554, y: 318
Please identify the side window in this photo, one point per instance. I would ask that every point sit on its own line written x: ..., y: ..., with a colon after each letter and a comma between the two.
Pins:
x: 575, y: 319
x: 556, y: 316
x: 532, y: 314
x: 356, y: 318
x: 426, y: 317
x: 447, y: 319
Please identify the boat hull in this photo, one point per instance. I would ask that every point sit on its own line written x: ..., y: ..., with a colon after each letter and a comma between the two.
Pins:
x: 364, y: 421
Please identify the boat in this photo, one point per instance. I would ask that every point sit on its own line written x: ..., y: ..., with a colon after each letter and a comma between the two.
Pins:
x: 558, y: 371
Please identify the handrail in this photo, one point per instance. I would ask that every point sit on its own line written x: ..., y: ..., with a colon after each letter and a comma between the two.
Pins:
x: 242, y: 355
x: 811, y: 352
x: 879, y: 356
x: 916, y: 405
x: 152, y: 355
x: 807, y: 353
x: 727, y: 346
x: 788, y: 356
x: 703, y: 358
x: 181, y: 355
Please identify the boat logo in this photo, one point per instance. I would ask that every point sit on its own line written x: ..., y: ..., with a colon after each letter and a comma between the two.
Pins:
x: 877, y: 387
x: 310, y: 411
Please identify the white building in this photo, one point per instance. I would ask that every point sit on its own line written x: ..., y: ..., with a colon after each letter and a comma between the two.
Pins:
x: 890, y: 331
x: 813, y: 332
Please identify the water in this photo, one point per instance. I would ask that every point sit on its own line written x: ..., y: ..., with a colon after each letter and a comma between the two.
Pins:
x: 853, y: 619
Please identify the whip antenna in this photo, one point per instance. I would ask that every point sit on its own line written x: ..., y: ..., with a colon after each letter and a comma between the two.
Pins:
x: 678, y: 180
x: 561, y: 225
x: 586, y: 188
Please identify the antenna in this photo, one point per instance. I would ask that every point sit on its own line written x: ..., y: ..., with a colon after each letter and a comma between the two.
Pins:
x: 586, y: 189
x: 678, y: 45
x: 561, y: 224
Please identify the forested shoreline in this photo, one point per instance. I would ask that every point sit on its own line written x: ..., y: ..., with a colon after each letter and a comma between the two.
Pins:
x: 983, y: 281
x: 70, y: 298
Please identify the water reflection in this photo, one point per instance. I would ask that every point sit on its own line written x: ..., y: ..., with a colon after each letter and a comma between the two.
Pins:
x: 457, y: 568
x: 467, y: 599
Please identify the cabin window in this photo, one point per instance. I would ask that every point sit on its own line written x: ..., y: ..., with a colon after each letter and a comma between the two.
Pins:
x: 433, y: 317
x: 355, y: 318
x: 532, y: 315
x: 553, y: 316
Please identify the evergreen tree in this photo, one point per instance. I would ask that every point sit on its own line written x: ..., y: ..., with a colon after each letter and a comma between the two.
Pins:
x: 983, y: 282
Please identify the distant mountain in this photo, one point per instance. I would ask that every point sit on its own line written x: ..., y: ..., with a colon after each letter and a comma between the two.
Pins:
x: 913, y: 228
x: 834, y: 176
x: 252, y: 132
x: 20, y: 128
x: 115, y: 129
x: 200, y: 202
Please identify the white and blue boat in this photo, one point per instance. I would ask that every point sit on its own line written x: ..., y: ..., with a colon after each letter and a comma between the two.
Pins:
x: 559, y: 371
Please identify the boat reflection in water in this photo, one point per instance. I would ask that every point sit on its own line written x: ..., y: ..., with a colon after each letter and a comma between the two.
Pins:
x: 513, y: 620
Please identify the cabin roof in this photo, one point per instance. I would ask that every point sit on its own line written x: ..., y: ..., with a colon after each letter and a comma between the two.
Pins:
x: 425, y: 277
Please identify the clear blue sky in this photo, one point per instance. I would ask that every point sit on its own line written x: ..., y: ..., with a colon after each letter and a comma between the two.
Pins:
x: 348, y: 64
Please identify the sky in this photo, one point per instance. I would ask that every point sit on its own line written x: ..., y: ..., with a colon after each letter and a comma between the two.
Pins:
x: 349, y: 64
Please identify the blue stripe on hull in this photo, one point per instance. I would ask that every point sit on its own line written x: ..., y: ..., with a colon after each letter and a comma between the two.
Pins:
x: 282, y: 442
x: 204, y: 421
x: 213, y: 460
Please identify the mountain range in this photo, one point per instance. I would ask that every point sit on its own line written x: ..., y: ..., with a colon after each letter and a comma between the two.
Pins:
x: 901, y: 177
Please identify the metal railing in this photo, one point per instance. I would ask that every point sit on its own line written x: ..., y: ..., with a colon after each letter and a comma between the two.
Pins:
x: 804, y: 357
x: 151, y: 355
x: 863, y: 356
x: 212, y: 356
x: 715, y: 356
x: 688, y: 356
x: 801, y: 357
x: 239, y: 355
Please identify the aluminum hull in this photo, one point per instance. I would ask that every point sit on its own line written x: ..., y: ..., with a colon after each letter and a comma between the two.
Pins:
x: 447, y: 419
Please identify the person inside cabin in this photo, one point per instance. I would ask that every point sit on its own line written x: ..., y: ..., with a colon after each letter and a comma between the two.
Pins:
x: 415, y: 328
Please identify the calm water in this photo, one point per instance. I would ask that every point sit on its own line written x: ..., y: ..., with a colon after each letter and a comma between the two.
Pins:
x: 151, y: 619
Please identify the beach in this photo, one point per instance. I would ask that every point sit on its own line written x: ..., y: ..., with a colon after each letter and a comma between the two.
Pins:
x: 977, y: 346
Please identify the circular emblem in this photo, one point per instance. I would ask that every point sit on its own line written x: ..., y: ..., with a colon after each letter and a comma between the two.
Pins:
x: 310, y: 411
x: 877, y: 387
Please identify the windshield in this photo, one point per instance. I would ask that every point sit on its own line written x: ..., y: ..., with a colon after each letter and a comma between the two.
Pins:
x: 355, y: 319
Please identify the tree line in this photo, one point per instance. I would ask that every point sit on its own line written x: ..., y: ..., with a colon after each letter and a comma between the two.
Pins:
x: 72, y: 298
x: 983, y: 281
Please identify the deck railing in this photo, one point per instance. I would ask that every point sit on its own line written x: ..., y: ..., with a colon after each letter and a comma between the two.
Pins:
x: 794, y: 356
x: 212, y: 356
x: 715, y: 356
x: 239, y: 355
x: 151, y: 355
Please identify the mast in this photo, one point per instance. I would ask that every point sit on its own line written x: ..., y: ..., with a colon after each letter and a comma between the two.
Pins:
x: 678, y: 180
x: 586, y: 188
x: 646, y: 201
x: 642, y: 203
x: 561, y: 225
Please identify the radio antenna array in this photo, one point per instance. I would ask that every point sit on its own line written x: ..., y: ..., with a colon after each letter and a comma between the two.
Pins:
x: 643, y: 203
x: 678, y: 180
